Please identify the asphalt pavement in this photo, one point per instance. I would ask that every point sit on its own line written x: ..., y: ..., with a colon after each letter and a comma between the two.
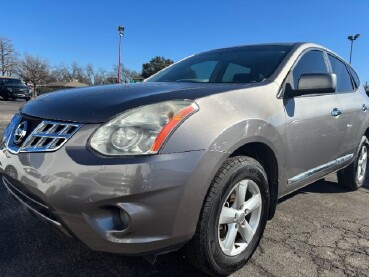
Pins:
x: 321, y: 230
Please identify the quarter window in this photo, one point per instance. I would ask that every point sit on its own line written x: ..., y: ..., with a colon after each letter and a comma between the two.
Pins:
x: 311, y: 62
x: 344, y: 83
x: 355, y: 77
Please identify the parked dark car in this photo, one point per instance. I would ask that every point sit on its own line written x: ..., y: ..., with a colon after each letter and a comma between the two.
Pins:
x: 12, y: 88
x: 197, y: 156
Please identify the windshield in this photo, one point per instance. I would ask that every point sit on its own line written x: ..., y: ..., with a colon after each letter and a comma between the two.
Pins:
x: 247, y: 64
x: 11, y: 82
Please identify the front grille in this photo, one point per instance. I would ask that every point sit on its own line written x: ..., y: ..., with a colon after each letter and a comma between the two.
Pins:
x: 49, y: 136
x: 41, y: 135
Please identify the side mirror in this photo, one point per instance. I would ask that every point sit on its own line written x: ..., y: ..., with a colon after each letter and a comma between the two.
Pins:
x: 315, y: 83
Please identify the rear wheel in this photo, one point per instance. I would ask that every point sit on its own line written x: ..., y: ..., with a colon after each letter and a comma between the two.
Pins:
x: 232, y: 219
x: 353, y: 176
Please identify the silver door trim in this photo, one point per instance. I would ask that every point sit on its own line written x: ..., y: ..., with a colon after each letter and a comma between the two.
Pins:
x: 311, y: 172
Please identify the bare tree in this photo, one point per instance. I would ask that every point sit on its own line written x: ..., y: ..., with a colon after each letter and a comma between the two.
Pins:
x: 78, y: 73
x: 91, y: 74
x: 8, y: 57
x: 127, y: 74
x: 34, y: 70
x: 62, y: 73
x: 100, y: 76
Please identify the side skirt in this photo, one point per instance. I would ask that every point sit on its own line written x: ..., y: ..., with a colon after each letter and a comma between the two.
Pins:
x: 324, y: 167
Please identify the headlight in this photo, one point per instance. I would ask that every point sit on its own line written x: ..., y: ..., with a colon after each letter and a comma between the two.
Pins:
x: 9, y: 89
x: 143, y: 130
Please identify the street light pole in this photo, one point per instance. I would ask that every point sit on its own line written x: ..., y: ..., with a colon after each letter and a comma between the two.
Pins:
x: 121, y: 33
x: 352, y: 38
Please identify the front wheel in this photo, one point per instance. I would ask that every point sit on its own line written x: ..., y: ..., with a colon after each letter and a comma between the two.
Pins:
x: 353, y: 176
x: 233, y: 218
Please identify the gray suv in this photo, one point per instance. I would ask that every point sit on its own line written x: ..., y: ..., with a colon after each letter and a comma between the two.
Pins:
x: 196, y: 157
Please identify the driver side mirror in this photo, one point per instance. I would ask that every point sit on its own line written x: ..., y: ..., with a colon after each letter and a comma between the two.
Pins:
x: 315, y: 83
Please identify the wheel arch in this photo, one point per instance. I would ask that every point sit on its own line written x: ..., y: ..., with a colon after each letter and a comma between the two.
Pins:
x: 264, y: 154
x: 367, y: 133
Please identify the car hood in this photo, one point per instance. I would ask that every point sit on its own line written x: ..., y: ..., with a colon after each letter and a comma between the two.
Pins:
x: 97, y: 104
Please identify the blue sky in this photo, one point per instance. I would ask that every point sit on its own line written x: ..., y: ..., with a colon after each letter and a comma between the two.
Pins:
x: 85, y: 31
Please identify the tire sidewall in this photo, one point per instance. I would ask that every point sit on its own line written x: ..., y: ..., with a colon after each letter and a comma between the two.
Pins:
x: 364, y: 142
x: 220, y: 261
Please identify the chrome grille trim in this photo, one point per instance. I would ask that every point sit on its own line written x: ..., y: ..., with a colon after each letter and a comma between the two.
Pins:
x: 47, y: 136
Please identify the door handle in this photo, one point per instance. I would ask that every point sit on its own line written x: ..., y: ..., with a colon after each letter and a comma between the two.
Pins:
x: 364, y: 108
x: 336, y: 112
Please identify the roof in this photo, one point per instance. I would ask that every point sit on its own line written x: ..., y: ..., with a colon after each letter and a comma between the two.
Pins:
x: 71, y: 84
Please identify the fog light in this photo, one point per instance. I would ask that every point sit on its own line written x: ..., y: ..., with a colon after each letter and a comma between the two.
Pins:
x: 124, y: 219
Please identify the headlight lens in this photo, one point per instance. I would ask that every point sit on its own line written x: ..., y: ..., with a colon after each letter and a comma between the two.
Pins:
x: 143, y: 130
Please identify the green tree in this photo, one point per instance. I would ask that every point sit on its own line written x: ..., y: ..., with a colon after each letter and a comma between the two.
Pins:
x: 155, y: 65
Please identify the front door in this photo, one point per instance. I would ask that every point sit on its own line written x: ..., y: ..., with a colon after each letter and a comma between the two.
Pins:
x: 312, y: 135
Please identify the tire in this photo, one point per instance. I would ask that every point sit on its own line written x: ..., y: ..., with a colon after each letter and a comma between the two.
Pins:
x: 353, y: 176
x: 28, y: 98
x: 208, y: 249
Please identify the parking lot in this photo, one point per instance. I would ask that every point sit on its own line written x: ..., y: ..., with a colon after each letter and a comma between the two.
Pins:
x: 321, y: 230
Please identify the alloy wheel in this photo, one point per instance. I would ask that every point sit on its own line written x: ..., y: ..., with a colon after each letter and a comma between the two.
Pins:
x: 362, y: 162
x: 239, y: 217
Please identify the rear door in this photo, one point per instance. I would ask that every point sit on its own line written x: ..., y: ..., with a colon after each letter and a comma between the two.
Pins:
x: 312, y: 136
x: 353, y: 104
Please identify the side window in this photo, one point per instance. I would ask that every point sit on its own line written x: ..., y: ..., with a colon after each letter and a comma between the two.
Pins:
x: 355, y: 77
x: 311, y: 62
x: 235, y: 72
x: 344, y: 83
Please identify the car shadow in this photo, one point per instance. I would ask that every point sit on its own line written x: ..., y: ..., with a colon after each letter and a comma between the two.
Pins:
x: 327, y: 185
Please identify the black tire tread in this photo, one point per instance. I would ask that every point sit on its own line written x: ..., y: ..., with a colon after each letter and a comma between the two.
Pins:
x: 346, y: 177
x: 194, y: 249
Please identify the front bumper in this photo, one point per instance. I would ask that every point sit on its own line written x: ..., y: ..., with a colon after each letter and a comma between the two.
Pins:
x: 17, y: 94
x: 131, y: 206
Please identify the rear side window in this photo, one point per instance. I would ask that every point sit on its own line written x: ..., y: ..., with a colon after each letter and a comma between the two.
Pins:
x: 354, y: 77
x: 344, y: 83
x: 311, y: 62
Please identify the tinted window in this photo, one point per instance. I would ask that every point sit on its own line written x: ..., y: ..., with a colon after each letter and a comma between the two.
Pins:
x: 235, y: 71
x: 200, y: 71
x: 248, y: 64
x: 344, y: 83
x: 10, y: 81
x: 355, y: 77
x: 310, y: 62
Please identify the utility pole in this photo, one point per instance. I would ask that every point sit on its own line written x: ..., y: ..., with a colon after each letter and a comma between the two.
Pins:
x: 352, y: 38
x: 121, y: 33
